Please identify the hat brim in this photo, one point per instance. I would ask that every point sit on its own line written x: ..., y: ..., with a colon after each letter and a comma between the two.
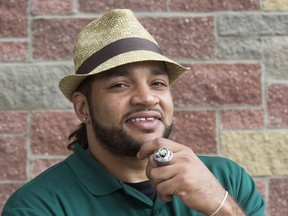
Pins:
x: 69, y: 84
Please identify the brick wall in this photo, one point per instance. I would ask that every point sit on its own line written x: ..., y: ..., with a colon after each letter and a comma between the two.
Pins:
x: 233, y: 102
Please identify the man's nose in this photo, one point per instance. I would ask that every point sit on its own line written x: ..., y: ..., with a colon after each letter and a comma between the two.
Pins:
x: 143, y: 95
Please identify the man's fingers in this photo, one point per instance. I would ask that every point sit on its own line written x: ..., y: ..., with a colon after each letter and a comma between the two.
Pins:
x: 165, y: 190
x: 149, y: 148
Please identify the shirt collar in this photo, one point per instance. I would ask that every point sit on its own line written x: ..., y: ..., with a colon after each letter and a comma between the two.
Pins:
x: 91, y: 174
x: 98, y: 180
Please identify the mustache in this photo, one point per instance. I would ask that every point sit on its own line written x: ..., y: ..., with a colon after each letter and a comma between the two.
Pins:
x: 126, y: 115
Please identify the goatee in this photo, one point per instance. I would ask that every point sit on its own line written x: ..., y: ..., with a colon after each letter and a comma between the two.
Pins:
x: 117, y: 141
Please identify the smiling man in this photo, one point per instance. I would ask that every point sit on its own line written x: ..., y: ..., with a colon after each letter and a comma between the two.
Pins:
x: 130, y: 105
x: 123, y: 162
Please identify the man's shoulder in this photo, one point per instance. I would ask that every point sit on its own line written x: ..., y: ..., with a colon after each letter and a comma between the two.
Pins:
x: 218, y: 162
x: 40, y: 188
x: 224, y: 169
x: 52, y: 175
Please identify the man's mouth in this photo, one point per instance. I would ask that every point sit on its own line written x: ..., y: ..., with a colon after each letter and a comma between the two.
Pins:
x: 142, y: 119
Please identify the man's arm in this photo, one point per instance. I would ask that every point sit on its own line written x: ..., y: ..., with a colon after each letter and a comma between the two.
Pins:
x: 188, y: 178
x: 230, y: 207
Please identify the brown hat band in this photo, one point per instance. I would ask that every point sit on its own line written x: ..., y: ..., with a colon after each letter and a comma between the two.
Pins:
x: 116, y: 48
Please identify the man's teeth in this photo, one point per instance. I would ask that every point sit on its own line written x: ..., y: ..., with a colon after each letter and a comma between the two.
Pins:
x: 142, y: 119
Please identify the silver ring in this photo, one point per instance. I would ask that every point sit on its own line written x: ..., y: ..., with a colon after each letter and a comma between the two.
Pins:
x: 163, y: 156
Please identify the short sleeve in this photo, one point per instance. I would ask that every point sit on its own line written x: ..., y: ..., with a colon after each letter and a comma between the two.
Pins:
x: 249, y: 197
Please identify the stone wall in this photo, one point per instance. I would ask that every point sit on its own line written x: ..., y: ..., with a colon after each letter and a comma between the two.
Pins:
x: 233, y: 102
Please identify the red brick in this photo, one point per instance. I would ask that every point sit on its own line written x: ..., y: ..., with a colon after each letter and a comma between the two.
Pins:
x: 50, y: 131
x: 13, y: 122
x: 13, y: 51
x: 39, y: 165
x: 195, y: 129
x: 13, y: 18
x: 13, y: 158
x: 139, y: 5
x: 214, y: 5
x: 278, y: 105
x: 242, y: 119
x: 54, y: 38
x: 40, y: 7
x: 278, y: 201
x: 183, y: 36
x: 6, y: 190
x: 219, y: 84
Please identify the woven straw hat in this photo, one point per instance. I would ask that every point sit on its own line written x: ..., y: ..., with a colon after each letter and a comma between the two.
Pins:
x: 115, y: 39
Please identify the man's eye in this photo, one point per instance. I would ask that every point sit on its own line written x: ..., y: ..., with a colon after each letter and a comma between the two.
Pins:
x: 118, y: 85
x: 159, y: 83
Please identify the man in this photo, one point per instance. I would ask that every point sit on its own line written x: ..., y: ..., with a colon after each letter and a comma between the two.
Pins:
x: 123, y: 162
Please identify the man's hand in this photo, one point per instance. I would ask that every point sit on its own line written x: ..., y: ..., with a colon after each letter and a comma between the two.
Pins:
x: 187, y: 177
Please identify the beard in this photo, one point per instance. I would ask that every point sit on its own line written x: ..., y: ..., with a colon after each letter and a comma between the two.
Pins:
x: 116, y: 141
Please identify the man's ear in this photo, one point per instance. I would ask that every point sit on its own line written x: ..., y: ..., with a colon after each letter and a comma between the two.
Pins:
x: 81, y: 107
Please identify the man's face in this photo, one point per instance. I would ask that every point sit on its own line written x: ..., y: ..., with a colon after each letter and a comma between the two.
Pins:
x: 130, y: 105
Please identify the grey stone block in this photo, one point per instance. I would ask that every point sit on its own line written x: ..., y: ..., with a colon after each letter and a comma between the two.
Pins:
x: 252, y: 25
x: 239, y: 48
x: 32, y: 87
x: 276, y: 57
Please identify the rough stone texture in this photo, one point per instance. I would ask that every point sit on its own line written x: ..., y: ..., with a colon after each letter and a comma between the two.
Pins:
x: 278, y: 201
x: 262, y: 153
x: 32, y: 87
x: 183, y: 36
x: 239, y: 48
x: 238, y: 82
x: 242, y: 119
x: 40, y: 7
x: 275, y: 5
x: 13, y: 158
x: 39, y: 165
x: 214, y: 5
x: 195, y: 129
x: 13, y: 51
x: 13, y: 18
x: 278, y: 105
x: 252, y: 25
x: 275, y: 52
x: 6, y: 190
x: 50, y: 131
x: 54, y: 38
x: 219, y: 84
x: 13, y: 122
x: 139, y: 5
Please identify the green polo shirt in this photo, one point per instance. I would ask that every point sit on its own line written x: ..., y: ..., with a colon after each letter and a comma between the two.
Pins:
x: 80, y: 186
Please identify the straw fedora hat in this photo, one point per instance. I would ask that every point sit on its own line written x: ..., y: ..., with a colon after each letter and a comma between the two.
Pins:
x: 115, y: 39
